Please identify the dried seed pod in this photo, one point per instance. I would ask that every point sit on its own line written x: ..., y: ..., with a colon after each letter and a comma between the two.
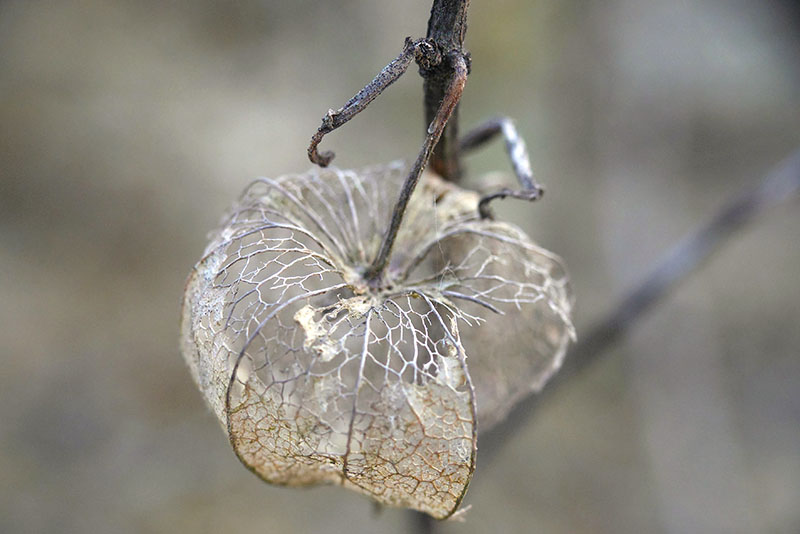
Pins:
x: 321, y: 375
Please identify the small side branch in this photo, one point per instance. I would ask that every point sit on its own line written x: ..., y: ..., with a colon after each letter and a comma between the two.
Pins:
x: 448, y: 104
x: 517, y: 152
x: 421, y: 50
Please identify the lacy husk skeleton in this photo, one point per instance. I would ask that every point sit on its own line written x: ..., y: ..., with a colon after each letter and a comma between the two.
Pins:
x: 336, y: 346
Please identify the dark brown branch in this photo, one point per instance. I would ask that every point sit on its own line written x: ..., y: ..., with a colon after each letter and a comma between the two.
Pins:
x: 437, y: 126
x: 447, y: 27
x: 780, y: 185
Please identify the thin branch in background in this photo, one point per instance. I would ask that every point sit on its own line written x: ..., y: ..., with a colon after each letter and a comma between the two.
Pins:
x: 781, y: 185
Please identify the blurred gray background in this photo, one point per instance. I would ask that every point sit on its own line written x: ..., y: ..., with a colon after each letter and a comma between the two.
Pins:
x: 127, y: 127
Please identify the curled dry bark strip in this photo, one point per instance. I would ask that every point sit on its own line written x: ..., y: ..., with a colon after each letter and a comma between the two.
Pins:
x: 517, y: 153
x: 321, y: 376
x: 425, y: 54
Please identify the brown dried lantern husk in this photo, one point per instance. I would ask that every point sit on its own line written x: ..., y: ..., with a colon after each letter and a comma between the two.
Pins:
x: 320, y: 375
